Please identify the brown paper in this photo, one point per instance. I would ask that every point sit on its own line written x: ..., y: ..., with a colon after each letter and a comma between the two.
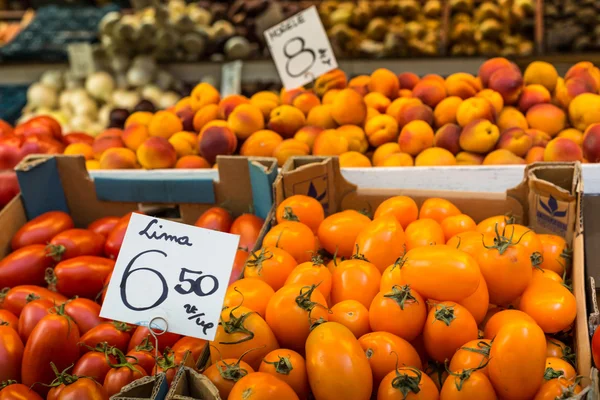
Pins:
x: 191, y: 385
x: 146, y: 388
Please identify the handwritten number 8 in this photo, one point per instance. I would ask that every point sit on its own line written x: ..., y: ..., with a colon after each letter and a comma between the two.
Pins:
x: 292, y: 55
x: 195, y: 284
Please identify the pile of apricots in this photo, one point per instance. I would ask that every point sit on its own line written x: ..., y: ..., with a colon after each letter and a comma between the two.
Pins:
x: 500, y: 116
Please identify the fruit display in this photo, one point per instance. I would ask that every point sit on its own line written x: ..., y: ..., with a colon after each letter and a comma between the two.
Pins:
x: 10, y: 29
x: 571, y: 26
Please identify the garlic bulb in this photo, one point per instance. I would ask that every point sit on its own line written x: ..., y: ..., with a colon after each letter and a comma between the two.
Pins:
x: 40, y: 95
x: 100, y: 85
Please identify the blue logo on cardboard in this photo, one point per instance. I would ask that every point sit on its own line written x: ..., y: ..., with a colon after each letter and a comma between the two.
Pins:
x: 553, y: 219
x: 552, y: 208
x: 312, y: 192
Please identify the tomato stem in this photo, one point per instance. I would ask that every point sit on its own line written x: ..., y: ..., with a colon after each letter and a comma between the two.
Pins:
x: 358, y: 255
x: 401, y: 295
x: 483, y: 348
x: 551, y: 373
x: 9, y: 382
x: 62, y: 378
x: 146, y: 345
x: 257, y: 261
x: 55, y: 251
x: 317, y: 259
x: 236, y: 325
x: 31, y: 297
x: 282, y: 366
x: 444, y: 313
x: 464, y: 375
x: 50, y: 279
x: 288, y: 214
x: 166, y: 361
x: 405, y: 383
x: 121, y: 359
x: 303, y: 299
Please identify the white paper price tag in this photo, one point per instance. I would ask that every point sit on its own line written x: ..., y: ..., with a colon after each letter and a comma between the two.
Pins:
x: 172, y: 271
x: 231, y: 78
x: 300, y: 49
x: 81, y: 59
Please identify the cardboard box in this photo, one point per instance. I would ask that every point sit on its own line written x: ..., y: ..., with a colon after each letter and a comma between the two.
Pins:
x: 548, y: 199
x: 191, y: 385
x: 146, y: 388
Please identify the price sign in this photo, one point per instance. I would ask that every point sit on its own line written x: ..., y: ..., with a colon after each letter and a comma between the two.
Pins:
x: 81, y: 59
x: 300, y: 49
x: 171, y: 271
x: 231, y: 78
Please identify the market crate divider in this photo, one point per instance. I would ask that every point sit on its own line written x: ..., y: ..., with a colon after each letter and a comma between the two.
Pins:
x: 152, y: 387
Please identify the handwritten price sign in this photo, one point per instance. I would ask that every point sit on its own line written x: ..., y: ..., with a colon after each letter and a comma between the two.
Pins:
x: 171, y: 271
x: 300, y: 49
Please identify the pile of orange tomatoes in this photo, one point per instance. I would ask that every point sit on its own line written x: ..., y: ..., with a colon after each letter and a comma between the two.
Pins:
x: 415, y: 303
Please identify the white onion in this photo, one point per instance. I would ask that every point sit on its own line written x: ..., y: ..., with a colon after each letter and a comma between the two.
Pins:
x: 40, y: 95
x: 100, y: 85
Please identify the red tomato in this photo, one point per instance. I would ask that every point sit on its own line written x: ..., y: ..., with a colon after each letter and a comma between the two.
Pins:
x: 114, y: 333
x: 170, y: 362
x: 53, y: 340
x: 82, y: 388
x: 11, y: 354
x: 215, y: 218
x: 5, y: 128
x: 103, y: 226
x: 596, y: 347
x: 40, y: 123
x: 106, y: 282
x: 194, y: 345
x: 144, y: 355
x: 94, y: 364
x: 248, y: 226
x: 16, y: 298
x: 39, y: 144
x: 10, y: 319
x: 114, y: 240
x: 25, y: 266
x: 31, y: 314
x: 18, y: 391
x: 167, y: 339
x: 41, y: 229
x: 75, y: 243
x: 78, y: 137
x: 238, y: 265
x: 85, y: 313
x: 82, y: 276
x: 121, y: 376
x: 9, y: 186
x: 10, y: 151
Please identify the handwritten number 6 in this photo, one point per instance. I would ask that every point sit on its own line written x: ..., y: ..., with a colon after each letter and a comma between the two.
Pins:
x: 291, y: 56
x: 128, y: 272
x: 195, y: 284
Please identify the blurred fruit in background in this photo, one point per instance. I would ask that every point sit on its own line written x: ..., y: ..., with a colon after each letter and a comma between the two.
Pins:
x: 572, y: 25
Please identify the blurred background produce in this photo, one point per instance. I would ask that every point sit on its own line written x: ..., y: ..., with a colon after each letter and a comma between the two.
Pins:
x: 572, y: 25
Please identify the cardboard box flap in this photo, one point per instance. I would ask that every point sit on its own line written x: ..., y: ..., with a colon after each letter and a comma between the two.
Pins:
x: 191, y: 385
x: 146, y: 388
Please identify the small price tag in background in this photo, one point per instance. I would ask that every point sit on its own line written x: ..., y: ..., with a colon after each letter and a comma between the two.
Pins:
x: 300, y: 49
x: 81, y: 59
x: 172, y: 271
x: 231, y: 78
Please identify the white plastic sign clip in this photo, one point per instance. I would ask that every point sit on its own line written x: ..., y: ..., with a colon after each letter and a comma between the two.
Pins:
x: 171, y: 271
x: 300, y: 49
x: 81, y: 59
x: 231, y: 78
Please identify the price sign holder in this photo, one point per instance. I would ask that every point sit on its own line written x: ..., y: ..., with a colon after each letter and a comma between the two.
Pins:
x: 300, y: 48
x: 81, y: 59
x: 170, y: 277
x: 231, y: 78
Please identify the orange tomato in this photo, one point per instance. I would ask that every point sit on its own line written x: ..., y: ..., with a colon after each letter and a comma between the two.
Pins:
x: 407, y: 383
x: 466, y: 385
x: 381, y: 241
x: 333, y: 264
x: 248, y: 226
x: 288, y: 366
x: 503, y: 318
x: 337, y: 233
x: 355, y: 279
x: 528, y: 239
x: 441, y: 272
x: 291, y: 311
x: 457, y: 224
x: 261, y: 386
x: 392, y: 275
x: 438, y: 209
x: 556, y: 253
x: 550, y: 304
x: 478, y: 303
x: 386, y: 350
x: 401, y: 311
x: 312, y: 273
x: 470, y: 242
x: 225, y: 373
x: 557, y: 367
x: 448, y: 327
x: 332, y: 347
x: 353, y: 315
x: 424, y: 232
x: 545, y: 274
x: 303, y: 209
x: 251, y: 293
x: 437, y: 372
x: 294, y: 237
x: 403, y: 208
x: 556, y: 348
x: 240, y: 330
x: 271, y: 265
x: 558, y: 388
x: 489, y: 225
x: 473, y: 354
x: 517, y: 361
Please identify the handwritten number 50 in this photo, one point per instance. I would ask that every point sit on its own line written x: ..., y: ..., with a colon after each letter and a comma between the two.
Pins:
x: 292, y: 52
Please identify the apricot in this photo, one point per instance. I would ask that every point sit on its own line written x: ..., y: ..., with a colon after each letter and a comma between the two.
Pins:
x: 468, y: 158
x: 408, y: 80
x: 354, y: 159
x: 587, y: 71
x: 493, y: 97
x: 204, y: 115
x: 489, y: 67
x: 371, y: 112
x: 286, y: 120
x: 547, y: 118
x: 430, y: 91
x: 479, y: 136
x: 306, y: 101
x: 534, y: 154
x: 329, y: 96
x: 412, y: 112
x: 508, y: 82
x: 396, y: 105
x: 265, y: 106
x: 261, y: 144
x: 381, y: 129
x: 415, y: 137
x: 164, y: 124
x: 434, y: 156
x: 308, y: 134
x: 265, y: 95
x: 515, y: 140
x: 134, y: 135
x: 110, y: 132
x: 433, y: 77
x: 91, y: 165
x: 349, y: 108
x: 502, y: 157
x: 217, y: 122
x: 541, y: 73
x: 321, y: 116
x: 447, y: 137
x: 568, y: 89
x: 102, y: 144
x: 377, y: 101
x: 184, y: 143
x: 286, y: 97
x: 405, y: 93
x: 330, y: 143
x: 462, y: 85
x: 229, y: 103
x: 138, y: 117
x: 334, y: 79
x: 192, y: 162
x: 591, y: 143
x: 385, y: 82
x: 156, y: 153
x: 118, y: 158
x: 357, y: 140
x: 289, y: 148
x: 510, y: 117
x: 445, y: 111
x: 398, y: 160
x: 532, y: 95
x: 473, y: 109
x: 360, y: 84
x: 202, y: 95
x: 216, y: 141
x: 539, y: 138
x: 246, y: 119
x: 186, y: 116
x: 562, y: 149
x: 383, y: 151
x: 584, y: 111
x: 573, y: 134
x: 83, y: 149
